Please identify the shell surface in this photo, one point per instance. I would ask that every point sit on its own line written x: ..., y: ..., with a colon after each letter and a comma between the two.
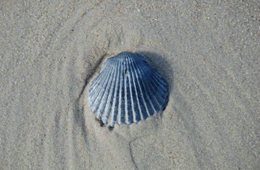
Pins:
x: 127, y: 90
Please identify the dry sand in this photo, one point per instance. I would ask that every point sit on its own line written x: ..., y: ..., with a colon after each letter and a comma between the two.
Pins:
x: 208, y: 51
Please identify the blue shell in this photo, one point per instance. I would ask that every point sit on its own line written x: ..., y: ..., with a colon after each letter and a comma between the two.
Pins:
x: 127, y: 90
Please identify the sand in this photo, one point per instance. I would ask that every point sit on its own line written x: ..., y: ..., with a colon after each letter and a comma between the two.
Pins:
x: 208, y: 51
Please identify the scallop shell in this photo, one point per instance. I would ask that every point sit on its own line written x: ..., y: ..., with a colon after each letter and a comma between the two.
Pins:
x: 127, y: 90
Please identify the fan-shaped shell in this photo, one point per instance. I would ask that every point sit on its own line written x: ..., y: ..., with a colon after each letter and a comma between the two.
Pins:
x: 127, y: 90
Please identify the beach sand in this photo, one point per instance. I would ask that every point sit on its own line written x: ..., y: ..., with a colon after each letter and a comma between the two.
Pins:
x: 208, y: 51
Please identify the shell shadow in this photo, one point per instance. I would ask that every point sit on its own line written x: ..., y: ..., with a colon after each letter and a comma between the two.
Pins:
x: 162, y: 65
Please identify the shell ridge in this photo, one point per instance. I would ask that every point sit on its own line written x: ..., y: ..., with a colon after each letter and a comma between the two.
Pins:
x: 154, y: 89
x: 96, y: 85
x: 98, y: 79
x: 141, y: 88
x: 101, y: 96
x: 162, y: 92
x: 157, y: 88
x: 163, y: 87
x: 116, y: 97
x: 101, y: 92
x: 129, y: 95
x: 107, y: 91
x: 162, y: 83
x: 121, y: 97
x: 135, y: 105
x: 140, y: 96
x: 149, y: 93
x: 125, y: 91
x: 95, y: 93
x: 110, y: 97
